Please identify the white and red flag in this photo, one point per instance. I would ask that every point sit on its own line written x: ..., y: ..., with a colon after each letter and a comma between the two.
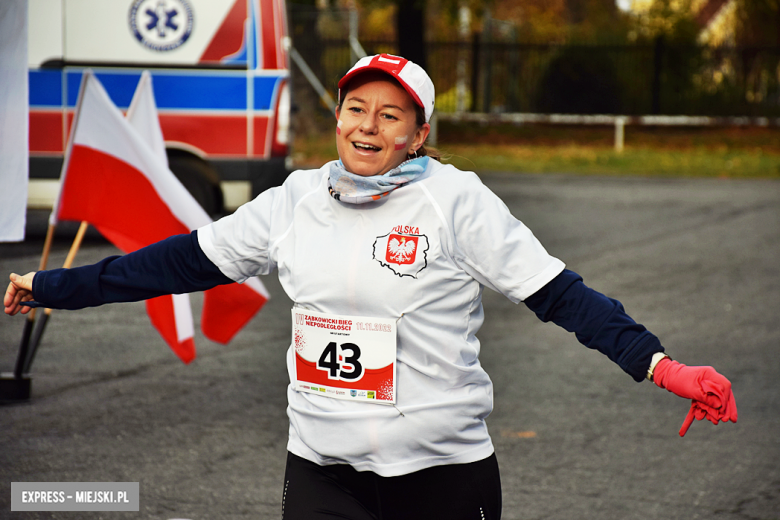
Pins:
x: 116, y: 177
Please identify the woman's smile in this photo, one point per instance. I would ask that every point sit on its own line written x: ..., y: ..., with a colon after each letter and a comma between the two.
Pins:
x: 377, y: 127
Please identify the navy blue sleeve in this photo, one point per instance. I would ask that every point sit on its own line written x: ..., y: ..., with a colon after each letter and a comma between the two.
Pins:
x: 176, y: 265
x: 598, y: 322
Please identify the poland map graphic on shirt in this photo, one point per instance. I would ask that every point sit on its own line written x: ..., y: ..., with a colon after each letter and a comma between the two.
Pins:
x: 403, y: 251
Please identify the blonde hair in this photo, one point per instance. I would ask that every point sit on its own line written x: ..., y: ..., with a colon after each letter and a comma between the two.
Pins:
x: 430, y: 151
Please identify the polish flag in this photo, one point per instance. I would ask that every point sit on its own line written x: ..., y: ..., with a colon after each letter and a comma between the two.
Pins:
x: 171, y: 315
x: 116, y: 177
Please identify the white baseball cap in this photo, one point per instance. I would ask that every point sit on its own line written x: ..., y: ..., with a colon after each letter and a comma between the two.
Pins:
x: 411, y: 76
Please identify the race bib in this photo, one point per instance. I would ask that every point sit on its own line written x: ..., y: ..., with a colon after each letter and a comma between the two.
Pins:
x: 345, y: 357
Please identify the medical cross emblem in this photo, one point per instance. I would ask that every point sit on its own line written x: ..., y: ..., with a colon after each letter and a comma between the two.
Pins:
x: 161, y: 19
x: 161, y: 25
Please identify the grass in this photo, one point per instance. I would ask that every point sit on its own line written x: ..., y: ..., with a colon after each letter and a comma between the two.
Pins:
x: 669, y: 152
x: 633, y: 161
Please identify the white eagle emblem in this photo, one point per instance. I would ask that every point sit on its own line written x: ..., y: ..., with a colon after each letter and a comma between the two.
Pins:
x: 401, y: 251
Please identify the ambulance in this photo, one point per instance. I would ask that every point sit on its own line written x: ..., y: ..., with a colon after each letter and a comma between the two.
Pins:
x: 221, y: 81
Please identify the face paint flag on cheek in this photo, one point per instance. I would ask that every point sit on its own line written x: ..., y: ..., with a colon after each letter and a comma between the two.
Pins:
x: 338, y: 127
x: 400, y: 142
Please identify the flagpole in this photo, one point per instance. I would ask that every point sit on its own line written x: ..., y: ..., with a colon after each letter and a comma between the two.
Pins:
x: 28, y: 324
x: 41, y: 326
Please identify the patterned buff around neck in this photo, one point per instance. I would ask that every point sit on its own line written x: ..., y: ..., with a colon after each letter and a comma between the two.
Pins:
x: 356, y: 189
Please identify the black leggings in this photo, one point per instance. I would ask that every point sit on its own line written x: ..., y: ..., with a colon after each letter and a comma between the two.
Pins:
x: 452, y: 492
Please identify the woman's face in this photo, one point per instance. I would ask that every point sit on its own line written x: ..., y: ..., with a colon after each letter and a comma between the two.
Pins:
x: 377, y: 126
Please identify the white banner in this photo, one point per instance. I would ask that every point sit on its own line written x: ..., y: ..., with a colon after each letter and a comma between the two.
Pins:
x: 14, y: 108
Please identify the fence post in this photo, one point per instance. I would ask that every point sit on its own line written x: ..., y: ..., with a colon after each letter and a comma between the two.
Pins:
x: 464, y: 19
x: 620, y: 123
x: 433, y: 135
x: 658, y: 59
x: 513, y: 73
x: 475, y: 51
x: 487, y: 72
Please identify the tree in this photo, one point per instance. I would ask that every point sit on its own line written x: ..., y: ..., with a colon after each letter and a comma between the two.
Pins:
x: 758, y: 23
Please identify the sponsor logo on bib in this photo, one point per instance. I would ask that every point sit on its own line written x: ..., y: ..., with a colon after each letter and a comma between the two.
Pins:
x: 403, y: 251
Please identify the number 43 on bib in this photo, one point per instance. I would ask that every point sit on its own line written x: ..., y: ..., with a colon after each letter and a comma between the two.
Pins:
x: 345, y: 357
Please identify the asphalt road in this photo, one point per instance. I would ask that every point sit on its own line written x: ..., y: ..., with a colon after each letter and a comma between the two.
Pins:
x: 696, y: 261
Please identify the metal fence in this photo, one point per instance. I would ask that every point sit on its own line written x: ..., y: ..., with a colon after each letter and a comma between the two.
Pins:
x: 490, y: 77
x: 590, y: 79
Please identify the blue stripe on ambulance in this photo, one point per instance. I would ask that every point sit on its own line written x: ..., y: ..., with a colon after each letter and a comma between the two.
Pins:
x: 172, y: 90
x: 45, y: 88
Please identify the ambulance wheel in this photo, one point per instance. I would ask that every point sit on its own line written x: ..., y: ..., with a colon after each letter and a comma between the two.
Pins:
x: 200, y: 179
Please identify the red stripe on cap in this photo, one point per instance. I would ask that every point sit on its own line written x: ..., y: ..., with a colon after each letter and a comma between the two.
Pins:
x: 392, y: 64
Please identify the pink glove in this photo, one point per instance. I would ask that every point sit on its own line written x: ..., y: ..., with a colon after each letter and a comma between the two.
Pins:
x: 711, y: 392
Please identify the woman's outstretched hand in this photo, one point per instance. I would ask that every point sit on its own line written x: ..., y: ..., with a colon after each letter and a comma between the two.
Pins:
x: 19, y: 290
x: 710, y: 392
